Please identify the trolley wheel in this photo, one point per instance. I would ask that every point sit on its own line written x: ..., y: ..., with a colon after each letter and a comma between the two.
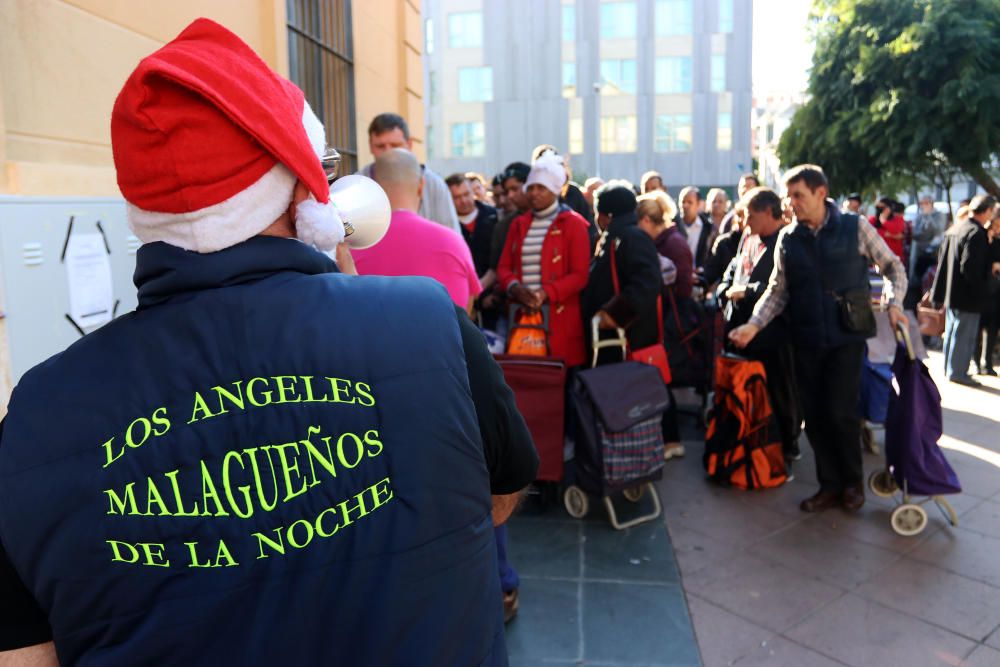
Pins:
x: 576, y: 502
x: 909, y: 520
x: 882, y: 484
x: 634, y: 494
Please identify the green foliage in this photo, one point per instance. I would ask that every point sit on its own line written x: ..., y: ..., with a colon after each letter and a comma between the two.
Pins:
x: 902, y: 92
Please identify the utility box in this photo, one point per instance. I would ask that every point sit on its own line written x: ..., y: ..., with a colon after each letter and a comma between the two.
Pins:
x: 66, y: 268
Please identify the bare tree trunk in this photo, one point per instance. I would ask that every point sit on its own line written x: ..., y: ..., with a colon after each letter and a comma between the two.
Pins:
x: 983, y: 177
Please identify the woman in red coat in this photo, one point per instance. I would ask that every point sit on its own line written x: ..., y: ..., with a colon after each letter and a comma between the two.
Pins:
x: 546, y: 259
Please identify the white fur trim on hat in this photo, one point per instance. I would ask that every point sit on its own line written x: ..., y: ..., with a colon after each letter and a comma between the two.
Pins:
x: 548, y: 171
x: 221, y: 225
x: 318, y: 224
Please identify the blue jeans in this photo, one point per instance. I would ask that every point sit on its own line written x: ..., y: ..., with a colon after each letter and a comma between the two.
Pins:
x: 508, y: 575
x: 960, y: 330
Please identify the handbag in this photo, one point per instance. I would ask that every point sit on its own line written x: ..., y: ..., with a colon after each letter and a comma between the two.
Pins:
x: 653, y: 355
x: 528, y: 332
x: 930, y: 320
x: 856, y: 314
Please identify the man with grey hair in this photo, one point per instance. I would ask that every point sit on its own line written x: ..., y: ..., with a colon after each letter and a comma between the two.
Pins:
x: 928, y: 230
x: 388, y: 131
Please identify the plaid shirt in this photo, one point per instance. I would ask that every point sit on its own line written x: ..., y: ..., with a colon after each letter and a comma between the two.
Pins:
x: 870, y: 245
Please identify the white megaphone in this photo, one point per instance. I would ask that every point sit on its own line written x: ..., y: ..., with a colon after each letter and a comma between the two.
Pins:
x: 363, y: 207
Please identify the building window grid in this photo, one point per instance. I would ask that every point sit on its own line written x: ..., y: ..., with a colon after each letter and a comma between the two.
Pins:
x: 724, y: 132
x: 568, y: 16
x: 429, y: 36
x: 672, y: 74
x: 569, y: 79
x: 725, y: 16
x: 672, y: 133
x: 575, y: 135
x: 619, y: 76
x: 475, y: 84
x: 468, y: 139
x: 673, y: 17
x: 465, y: 30
x: 718, y: 82
x: 618, y: 134
x: 321, y: 63
x: 619, y: 20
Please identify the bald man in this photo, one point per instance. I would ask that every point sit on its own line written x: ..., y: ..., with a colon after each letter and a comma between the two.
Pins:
x: 415, y: 246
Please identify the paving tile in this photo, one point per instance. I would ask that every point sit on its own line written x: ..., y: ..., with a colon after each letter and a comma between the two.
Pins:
x: 695, y: 551
x: 726, y: 519
x: 872, y: 526
x: 548, y: 623
x: 722, y: 636
x: 970, y: 554
x: 780, y: 652
x: 983, y: 656
x: 984, y: 518
x: 544, y: 547
x: 966, y: 607
x: 859, y: 632
x: 816, y: 551
x: 977, y: 477
x: 773, y: 595
x: 633, y: 623
x: 640, y: 553
x: 994, y: 639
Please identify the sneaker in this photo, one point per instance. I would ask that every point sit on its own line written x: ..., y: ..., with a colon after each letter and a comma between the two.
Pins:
x: 509, y: 606
x: 672, y: 449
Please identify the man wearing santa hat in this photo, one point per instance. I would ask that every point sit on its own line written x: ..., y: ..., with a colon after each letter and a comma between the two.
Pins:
x: 253, y: 468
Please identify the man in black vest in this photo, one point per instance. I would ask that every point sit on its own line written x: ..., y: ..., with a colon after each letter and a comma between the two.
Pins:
x: 740, y: 290
x: 820, y: 261
x: 256, y: 467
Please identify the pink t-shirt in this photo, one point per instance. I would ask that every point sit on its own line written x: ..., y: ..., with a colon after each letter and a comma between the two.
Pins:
x: 414, y: 246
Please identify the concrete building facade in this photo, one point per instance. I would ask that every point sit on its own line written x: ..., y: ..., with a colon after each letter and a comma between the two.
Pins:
x: 622, y: 86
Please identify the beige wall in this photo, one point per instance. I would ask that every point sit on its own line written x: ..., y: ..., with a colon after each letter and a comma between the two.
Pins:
x: 62, y: 62
x: 388, y: 70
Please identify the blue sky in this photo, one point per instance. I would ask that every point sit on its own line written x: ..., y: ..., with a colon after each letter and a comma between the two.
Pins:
x: 782, y: 53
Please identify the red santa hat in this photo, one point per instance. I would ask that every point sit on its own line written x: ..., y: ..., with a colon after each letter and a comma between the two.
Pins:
x: 209, y: 142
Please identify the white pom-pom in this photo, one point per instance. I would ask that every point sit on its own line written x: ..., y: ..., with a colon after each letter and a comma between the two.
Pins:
x: 318, y: 224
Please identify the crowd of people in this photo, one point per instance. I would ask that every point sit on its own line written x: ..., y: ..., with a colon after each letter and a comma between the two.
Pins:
x: 285, y: 426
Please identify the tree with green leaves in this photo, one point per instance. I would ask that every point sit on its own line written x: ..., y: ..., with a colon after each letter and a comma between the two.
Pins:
x: 901, y: 90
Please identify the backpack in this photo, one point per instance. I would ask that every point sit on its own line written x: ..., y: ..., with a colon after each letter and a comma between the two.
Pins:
x: 743, y: 443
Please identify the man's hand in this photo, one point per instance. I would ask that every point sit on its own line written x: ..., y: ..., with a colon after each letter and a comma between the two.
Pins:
x: 523, y: 296
x: 735, y: 293
x: 606, y: 321
x: 504, y: 506
x: 996, y: 268
x: 742, y: 335
x: 345, y: 262
x: 896, y: 317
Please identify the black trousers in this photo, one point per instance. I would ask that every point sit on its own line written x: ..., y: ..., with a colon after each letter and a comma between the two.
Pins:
x: 779, y: 365
x: 829, y: 381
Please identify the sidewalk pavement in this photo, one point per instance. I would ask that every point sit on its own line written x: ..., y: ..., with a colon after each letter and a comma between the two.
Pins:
x: 766, y: 584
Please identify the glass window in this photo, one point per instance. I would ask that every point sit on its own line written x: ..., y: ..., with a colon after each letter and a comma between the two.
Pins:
x: 431, y: 149
x: 475, y: 84
x: 569, y: 79
x: 725, y: 15
x: 320, y: 52
x: 724, y: 132
x: 429, y: 36
x: 576, y: 136
x: 673, y: 74
x: 432, y: 88
x: 618, y: 20
x: 718, y: 74
x: 465, y: 30
x: 568, y: 23
x: 673, y: 133
x: 619, y: 77
x: 674, y: 17
x: 618, y: 134
x: 468, y: 140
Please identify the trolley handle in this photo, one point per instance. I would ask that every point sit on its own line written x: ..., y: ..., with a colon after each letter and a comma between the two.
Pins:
x: 620, y: 341
x: 903, y: 336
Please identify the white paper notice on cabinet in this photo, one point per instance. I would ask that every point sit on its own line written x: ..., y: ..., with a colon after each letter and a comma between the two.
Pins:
x: 88, y: 270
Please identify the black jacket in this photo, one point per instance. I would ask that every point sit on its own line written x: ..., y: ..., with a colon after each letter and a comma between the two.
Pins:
x: 739, y: 312
x: 638, y: 267
x: 723, y: 251
x: 481, y: 238
x: 963, y: 271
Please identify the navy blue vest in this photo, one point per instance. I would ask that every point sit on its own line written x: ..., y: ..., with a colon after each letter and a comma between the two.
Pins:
x: 817, y: 266
x: 266, y: 464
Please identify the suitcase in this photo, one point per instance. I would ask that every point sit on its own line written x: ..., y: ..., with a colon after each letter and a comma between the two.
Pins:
x: 539, y: 386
